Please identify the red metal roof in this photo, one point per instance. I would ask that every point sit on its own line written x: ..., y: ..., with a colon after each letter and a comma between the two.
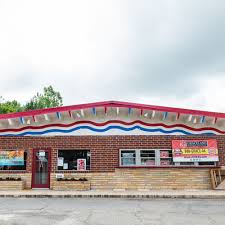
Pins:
x: 112, y: 104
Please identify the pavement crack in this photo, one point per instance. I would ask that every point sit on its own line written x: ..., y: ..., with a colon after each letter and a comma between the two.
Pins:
x: 137, y: 213
x: 86, y: 221
x: 212, y: 221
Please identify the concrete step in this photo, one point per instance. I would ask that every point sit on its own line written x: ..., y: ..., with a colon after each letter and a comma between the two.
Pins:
x: 221, y: 186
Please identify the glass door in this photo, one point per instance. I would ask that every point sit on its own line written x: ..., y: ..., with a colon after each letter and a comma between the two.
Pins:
x: 41, y: 168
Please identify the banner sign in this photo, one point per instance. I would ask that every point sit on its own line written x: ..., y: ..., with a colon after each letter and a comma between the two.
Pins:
x: 12, y: 158
x: 195, y: 150
x: 81, y: 164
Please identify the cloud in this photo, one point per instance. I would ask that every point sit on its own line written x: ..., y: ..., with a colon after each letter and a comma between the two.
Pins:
x: 161, y: 52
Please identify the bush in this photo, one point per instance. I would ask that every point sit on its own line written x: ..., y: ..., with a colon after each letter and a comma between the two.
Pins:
x: 72, y: 179
x: 10, y: 179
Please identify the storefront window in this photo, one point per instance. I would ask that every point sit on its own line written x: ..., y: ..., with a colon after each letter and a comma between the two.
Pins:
x: 13, y: 159
x: 153, y: 157
x: 74, y: 160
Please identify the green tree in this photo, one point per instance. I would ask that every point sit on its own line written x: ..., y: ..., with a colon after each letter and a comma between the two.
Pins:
x: 10, y: 106
x: 50, y: 98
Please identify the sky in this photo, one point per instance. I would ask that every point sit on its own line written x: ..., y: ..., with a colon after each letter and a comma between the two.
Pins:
x: 164, y: 52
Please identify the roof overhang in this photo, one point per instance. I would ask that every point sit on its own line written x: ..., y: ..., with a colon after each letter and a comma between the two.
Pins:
x: 112, y: 104
x: 112, y: 115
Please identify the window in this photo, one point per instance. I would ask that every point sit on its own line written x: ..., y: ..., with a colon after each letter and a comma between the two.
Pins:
x: 128, y: 158
x: 67, y: 159
x: 146, y: 157
x: 153, y: 157
x: 166, y: 158
x: 13, y: 160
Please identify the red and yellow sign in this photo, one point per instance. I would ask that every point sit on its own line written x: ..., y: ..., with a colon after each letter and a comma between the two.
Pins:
x: 81, y: 164
x: 195, y: 150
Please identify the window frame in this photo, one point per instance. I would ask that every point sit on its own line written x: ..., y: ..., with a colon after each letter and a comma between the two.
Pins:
x: 75, y: 171
x: 158, y: 159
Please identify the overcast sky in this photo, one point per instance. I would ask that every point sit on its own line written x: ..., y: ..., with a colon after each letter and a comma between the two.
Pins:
x: 164, y: 52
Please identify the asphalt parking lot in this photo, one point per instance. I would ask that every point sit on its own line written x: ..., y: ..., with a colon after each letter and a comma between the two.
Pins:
x: 75, y: 211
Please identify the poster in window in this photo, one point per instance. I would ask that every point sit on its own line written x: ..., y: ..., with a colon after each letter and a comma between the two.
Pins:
x: 81, y: 164
x: 128, y: 154
x: 60, y: 161
x: 164, y: 162
x: 150, y: 163
x: 195, y: 150
x: 164, y: 154
x: 65, y: 166
x: 12, y: 158
x: 42, y: 153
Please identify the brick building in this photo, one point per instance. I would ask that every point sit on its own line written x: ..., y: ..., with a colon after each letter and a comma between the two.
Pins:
x: 114, y: 145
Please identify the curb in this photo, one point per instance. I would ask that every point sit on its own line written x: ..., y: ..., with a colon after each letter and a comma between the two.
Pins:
x: 128, y: 196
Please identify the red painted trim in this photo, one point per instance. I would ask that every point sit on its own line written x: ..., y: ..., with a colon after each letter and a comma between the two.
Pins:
x: 33, y: 185
x: 113, y: 104
x: 163, y: 167
x: 70, y: 114
x: 118, y: 162
x: 73, y: 171
x: 113, y: 121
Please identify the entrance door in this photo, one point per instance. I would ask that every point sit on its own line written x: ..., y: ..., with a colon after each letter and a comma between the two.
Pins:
x: 41, y: 168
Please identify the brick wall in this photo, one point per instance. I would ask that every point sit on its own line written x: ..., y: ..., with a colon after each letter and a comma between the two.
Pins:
x: 104, y: 149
